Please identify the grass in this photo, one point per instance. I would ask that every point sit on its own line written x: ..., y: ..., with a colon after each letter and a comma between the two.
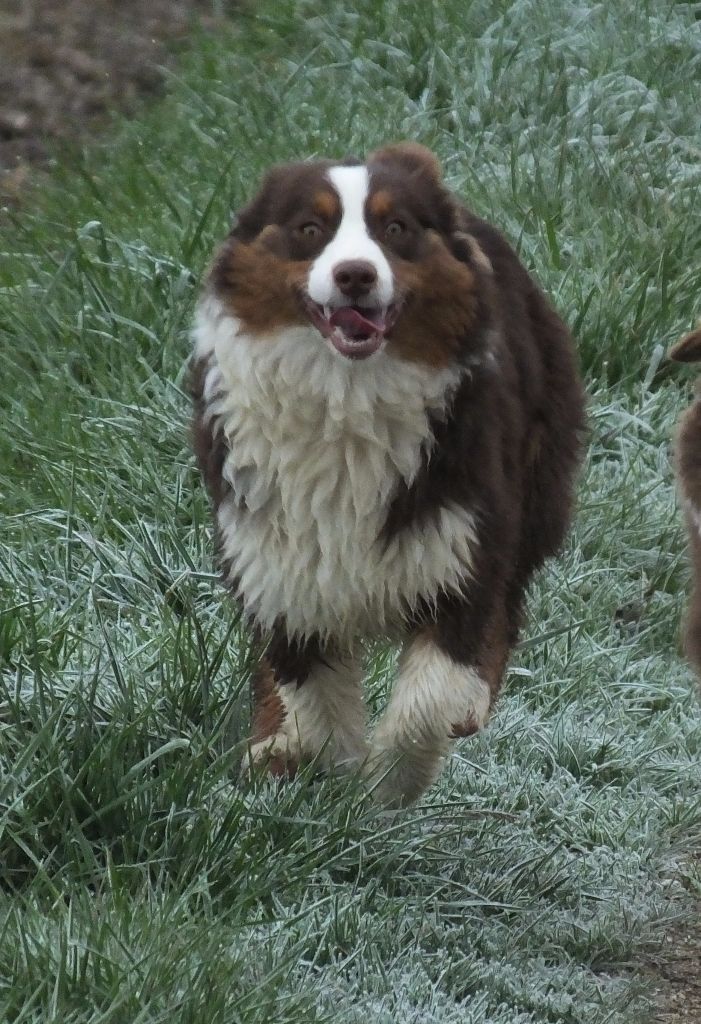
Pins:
x: 140, y: 881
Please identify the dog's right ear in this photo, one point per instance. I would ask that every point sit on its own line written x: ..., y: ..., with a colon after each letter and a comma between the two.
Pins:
x: 250, y: 220
x: 688, y: 350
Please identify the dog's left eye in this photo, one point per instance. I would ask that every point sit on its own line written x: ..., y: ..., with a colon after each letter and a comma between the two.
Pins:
x: 395, y: 228
x: 310, y: 231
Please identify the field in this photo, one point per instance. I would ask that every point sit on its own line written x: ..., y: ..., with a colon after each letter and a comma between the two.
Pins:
x: 140, y: 881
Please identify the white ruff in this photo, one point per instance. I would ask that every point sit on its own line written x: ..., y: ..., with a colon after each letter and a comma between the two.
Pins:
x: 432, y: 695
x: 318, y: 445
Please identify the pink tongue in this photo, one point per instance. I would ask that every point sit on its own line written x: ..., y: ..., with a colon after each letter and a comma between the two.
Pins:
x: 355, y: 325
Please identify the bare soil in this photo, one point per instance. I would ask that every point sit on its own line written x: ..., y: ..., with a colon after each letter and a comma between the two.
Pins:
x: 66, y: 64
x: 676, y: 975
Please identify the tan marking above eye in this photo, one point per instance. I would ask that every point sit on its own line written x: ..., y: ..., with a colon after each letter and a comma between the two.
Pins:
x: 380, y: 204
x: 326, y: 205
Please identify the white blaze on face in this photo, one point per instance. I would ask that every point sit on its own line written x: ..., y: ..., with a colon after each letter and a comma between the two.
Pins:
x: 351, y: 242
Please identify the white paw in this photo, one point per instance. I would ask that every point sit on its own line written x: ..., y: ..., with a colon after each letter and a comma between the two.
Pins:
x: 399, y: 777
x: 434, y: 701
x: 280, y: 752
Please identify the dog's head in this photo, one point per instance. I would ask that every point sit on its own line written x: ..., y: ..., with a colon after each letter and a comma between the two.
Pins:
x: 688, y: 350
x: 370, y: 255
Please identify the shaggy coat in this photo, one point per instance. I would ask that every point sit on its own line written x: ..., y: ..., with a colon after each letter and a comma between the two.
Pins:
x: 688, y: 470
x: 388, y: 420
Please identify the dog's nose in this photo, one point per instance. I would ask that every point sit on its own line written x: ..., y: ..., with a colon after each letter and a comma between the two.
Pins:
x: 355, y: 277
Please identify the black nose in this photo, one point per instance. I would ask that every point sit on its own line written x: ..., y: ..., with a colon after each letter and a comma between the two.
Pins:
x: 355, y: 277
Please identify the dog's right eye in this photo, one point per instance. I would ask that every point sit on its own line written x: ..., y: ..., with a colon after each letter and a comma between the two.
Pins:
x: 310, y: 231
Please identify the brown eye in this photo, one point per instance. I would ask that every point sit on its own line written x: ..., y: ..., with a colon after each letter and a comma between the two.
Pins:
x: 394, y: 229
x: 310, y: 231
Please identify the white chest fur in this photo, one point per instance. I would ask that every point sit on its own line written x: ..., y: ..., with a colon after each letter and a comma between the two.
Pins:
x: 317, y: 446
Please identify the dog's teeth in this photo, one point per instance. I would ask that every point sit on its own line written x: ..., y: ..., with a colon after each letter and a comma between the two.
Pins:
x: 327, y: 312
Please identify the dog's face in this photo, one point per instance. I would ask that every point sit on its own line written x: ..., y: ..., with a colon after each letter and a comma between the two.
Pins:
x: 369, y: 255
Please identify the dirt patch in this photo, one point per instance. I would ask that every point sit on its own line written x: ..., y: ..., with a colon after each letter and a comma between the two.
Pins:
x: 66, y: 64
x: 677, y: 975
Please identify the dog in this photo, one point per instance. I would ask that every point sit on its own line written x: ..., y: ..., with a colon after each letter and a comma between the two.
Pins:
x: 688, y: 472
x: 388, y: 418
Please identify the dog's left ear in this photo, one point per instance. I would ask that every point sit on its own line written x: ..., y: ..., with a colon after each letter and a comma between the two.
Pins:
x: 412, y: 157
x: 688, y: 350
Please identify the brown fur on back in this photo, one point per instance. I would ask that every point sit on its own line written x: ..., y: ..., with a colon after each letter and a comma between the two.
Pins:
x: 688, y: 472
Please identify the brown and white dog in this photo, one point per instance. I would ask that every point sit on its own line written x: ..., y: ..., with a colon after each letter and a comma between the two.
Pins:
x: 388, y: 419
x: 688, y: 470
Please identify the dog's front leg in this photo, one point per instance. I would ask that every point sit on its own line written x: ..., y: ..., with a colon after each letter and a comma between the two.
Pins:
x: 320, y: 715
x: 434, y: 700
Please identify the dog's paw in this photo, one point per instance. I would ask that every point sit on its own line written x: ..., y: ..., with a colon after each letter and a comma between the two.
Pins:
x: 396, y: 778
x: 279, y: 755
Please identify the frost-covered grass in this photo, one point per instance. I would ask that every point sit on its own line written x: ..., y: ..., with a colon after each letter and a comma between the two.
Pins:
x: 140, y: 883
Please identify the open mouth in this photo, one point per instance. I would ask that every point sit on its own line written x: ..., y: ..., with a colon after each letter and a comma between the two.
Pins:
x: 354, y: 331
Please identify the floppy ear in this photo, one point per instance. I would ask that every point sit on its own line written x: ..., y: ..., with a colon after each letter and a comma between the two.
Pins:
x: 688, y: 350
x: 250, y: 220
x: 412, y: 156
